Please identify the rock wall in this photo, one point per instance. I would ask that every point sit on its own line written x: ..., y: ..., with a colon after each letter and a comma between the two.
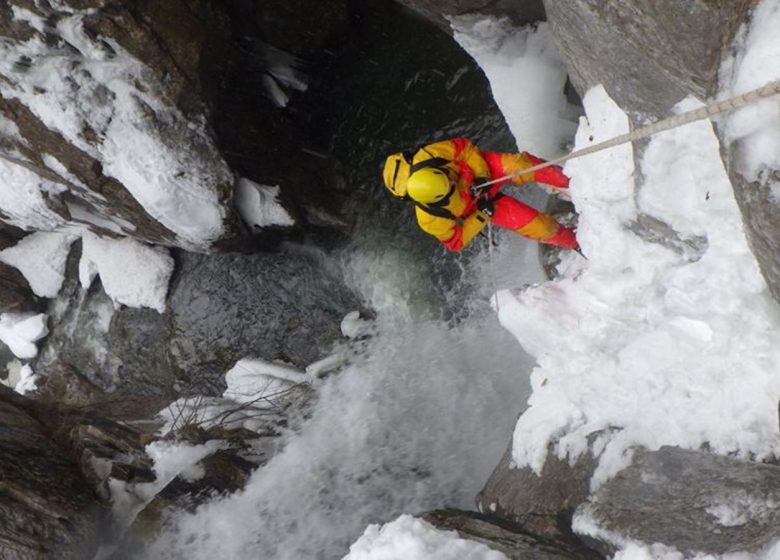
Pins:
x: 106, y: 123
x: 648, y: 55
x: 47, y: 510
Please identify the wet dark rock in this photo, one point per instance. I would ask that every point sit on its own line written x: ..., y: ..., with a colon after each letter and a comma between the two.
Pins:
x: 15, y: 293
x: 283, y: 306
x: 48, y: 510
x: 691, y: 500
x: 114, y: 349
x: 62, y: 385
x: 511, y: 540
x: 300, y: 27
x: 543, y: 504
x: 648, y: 56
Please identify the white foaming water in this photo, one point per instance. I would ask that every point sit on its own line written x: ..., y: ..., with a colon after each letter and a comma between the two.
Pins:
x: 417, y: 423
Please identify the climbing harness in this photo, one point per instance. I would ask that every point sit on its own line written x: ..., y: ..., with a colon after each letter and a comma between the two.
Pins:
x: 772, y: 88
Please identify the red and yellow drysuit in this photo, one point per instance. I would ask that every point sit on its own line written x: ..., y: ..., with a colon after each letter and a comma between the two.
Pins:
x: 468, y: 163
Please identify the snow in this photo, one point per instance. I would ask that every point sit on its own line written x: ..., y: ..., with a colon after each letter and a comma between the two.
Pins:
x: 754, y: 65
x: 260, y: 382
x: 41, y: 257
x: 527, y: 77
x: 171, y: 459
x: 282, y: 72
x: 254, y: 398
x: 20, y: 332
x: 258, y: 205
x: 414, y: 539
x: 22, y: 198
x: 28, y: 380
x: 353, y: 326
x: 132, y: 273
x: 645, y: 345
x: 638, y: 323
x: 168, y: 162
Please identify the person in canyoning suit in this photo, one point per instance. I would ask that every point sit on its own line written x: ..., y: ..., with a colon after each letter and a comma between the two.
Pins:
x: 443, y: 180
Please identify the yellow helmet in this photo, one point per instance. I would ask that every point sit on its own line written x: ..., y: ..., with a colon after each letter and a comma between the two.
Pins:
x: 396, y: 172
x: 429, y: 185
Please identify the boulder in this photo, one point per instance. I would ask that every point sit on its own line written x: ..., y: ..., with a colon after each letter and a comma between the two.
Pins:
x: 543, y: 504
x: 690, y: 500
x: 511, y: 540
x: 48, y: 509
x: 284, y: 306
x: 647, y: 55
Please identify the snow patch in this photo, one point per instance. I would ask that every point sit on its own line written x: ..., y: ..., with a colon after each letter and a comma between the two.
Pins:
x: 20, y: 332
x: 260, y: 382
x: 41, y: 257
x: 171, y: 459
x: 28, y: 380
x: 258, y: 205
x: 409, y: 537
x: 132, y: 273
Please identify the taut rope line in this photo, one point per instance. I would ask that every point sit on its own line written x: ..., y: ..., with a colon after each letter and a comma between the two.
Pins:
x: 772, y: 88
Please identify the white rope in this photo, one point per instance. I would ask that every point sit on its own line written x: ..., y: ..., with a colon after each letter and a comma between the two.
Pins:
x: 772, y: 88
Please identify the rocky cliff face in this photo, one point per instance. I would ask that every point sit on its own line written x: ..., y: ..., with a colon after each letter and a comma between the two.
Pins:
x: 48, y: 509
x: 106, y: 123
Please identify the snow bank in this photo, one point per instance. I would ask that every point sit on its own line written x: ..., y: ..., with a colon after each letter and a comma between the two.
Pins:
x: 527, y: 77
x: 20, y: 331
x: 408, y: 537
x: 167, y: 162
x: 41, y: 257
x: 258, y: 205
x: 132, y: 273
x: 647, y: 345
